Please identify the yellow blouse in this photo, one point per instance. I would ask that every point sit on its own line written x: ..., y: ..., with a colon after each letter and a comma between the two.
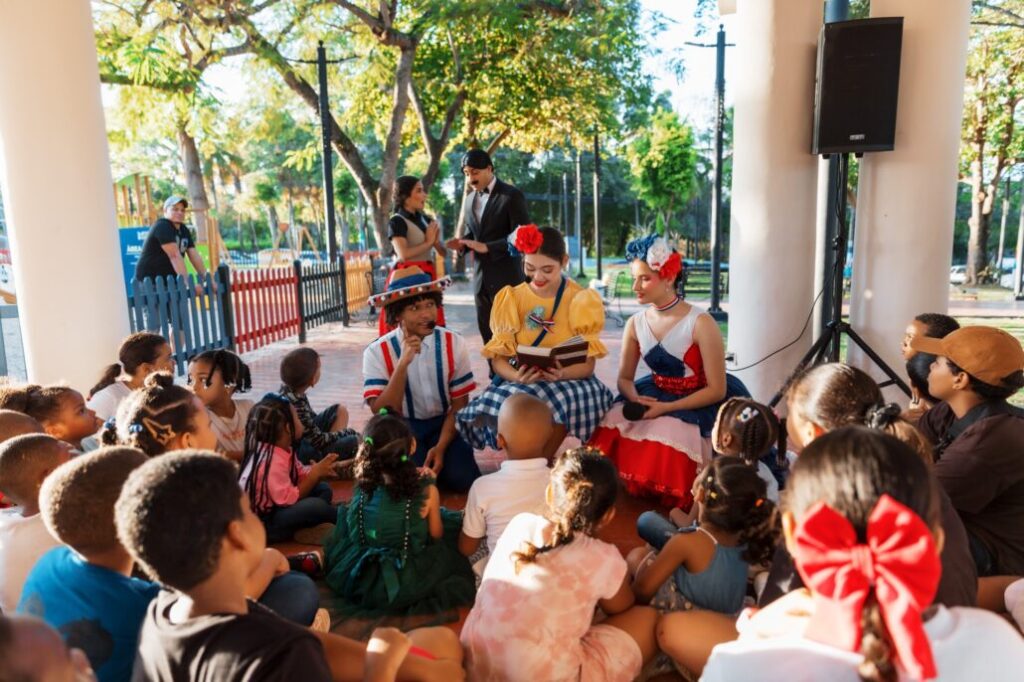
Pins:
x: 580, y: 312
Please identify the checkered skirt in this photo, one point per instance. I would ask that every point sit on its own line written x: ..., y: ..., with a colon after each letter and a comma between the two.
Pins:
x: 578, y: 404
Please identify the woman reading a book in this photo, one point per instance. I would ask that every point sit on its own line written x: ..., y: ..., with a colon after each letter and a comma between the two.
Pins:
x: 546, y: 341
x: 658, y: 431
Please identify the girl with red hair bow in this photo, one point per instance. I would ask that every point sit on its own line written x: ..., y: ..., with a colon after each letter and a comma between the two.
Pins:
x: 861, y: 521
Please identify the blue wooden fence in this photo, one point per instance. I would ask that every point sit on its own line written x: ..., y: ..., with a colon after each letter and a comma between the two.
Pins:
x: 172, y: 307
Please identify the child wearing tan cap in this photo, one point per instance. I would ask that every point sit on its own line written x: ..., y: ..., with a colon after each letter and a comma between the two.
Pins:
x: 979, y: 439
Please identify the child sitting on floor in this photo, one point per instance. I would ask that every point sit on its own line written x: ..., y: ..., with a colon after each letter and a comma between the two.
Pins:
x: 705, y: 566
x: 749, y: 430
x: 203, y: 626
x: 25, y: 461
x: 325, y: 432
x: 59, y: 409
x: 524, y: 427
x: 160, y: 417
x: 140, y: 355
x: 15, y: 424
x: 85, y: 589
x: 215, y: 376
x: 394, y: 549
x: 292, y: 499
x: 861, y: 521
x: 533, y: 616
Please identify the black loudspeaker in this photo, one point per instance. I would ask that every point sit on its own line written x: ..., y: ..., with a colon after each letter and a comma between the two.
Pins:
x: 857, y: 85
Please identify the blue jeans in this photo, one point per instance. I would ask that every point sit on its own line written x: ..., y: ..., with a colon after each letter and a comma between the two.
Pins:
x: 345, y: 447
x: 460, y: 468
x: 655, y: 529
x: 981, y: 555
x: 293, y: 596
x: 312, y: 510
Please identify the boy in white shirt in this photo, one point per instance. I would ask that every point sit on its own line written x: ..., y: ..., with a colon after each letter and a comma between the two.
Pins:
x: 24, y: 462
x: 519, y: 486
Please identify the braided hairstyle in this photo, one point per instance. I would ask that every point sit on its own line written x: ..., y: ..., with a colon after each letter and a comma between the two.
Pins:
x: 235, y: 373
x: 269, y: 420
x: 151, y: 417
x: 735, y: 500
x: 584, y: 485
x: 383, y: 459
x: 753, y: 425
x: 836, y: 395
x: 42, y: 403
x: 850, y: 469
x: 136, y: 350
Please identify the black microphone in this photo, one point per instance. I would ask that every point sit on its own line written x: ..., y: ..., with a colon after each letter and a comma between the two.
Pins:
x: 431, y: 325
x: 529, y: 279
x: 633, y: 411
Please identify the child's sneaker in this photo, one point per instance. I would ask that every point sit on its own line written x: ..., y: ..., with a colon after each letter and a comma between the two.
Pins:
x: 310, y: 563
x: 317, y: 535
x: 321, y: 622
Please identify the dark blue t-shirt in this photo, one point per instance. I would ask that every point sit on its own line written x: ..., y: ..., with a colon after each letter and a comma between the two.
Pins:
x: 153, y: 261
x: 94, y: 609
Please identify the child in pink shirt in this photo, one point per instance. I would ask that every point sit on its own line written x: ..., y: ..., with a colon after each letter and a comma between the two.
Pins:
x: 288, y: 496
x: 534, y: 611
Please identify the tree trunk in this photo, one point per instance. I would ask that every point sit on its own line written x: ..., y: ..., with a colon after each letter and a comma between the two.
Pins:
x: 272, y: 223
x: 193, y: 168
x: 977, y: 258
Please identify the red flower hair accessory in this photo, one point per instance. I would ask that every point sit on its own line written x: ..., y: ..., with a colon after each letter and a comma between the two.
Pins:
x: 671, y: 268
x: 899, y: 563
x: 526, y: 239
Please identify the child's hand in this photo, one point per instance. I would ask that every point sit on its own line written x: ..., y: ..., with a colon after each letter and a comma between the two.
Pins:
x: 324, y: 466
x: 385, y: 653
x: 280, y: 561
x: 435, y: 460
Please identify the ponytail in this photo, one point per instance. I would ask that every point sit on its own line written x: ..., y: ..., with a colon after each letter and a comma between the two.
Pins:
x: 384, y: 454
x: 887, y: 418
x: 109, y: 376
x: 584, y: 486
x: 875, y: 646
x: 735, y: 500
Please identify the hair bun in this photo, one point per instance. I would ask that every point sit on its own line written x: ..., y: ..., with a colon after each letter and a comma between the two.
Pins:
x: 159, y: 380
x: 882, y: 415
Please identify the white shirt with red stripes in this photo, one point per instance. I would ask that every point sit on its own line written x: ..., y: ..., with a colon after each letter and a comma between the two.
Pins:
x: 438, y: 374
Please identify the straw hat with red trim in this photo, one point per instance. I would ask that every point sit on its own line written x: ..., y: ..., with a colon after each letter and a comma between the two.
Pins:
x: 409, y: 281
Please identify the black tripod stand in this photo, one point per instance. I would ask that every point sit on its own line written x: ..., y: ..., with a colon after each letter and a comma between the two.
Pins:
x: 826, y: 348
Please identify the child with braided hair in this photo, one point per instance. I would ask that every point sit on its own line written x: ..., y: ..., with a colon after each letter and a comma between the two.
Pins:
x: 395, y: 549
x: 291, y: 498
x: 749, y: 430
x: 160, y: 417
x: 60, y: 410
x: 534, y: 612
x: 215, y: 377
x: 705, y: 565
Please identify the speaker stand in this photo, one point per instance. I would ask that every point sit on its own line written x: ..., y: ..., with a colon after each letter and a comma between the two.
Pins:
x: 826, y: 348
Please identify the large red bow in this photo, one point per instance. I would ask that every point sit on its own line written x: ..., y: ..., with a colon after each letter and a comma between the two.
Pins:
x: 899, y: 561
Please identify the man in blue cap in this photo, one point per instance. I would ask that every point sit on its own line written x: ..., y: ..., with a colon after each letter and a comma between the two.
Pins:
x: 493, y: 211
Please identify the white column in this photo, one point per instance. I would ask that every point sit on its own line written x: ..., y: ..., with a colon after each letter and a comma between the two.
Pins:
x: 907, y: 197
x: 771, y: 257
x: 57, y: 191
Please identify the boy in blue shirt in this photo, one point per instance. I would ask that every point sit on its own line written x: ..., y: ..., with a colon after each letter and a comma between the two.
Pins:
x: 85, y: 589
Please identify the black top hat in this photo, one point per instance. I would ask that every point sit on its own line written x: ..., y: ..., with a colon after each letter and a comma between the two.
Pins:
x: 476, y: 158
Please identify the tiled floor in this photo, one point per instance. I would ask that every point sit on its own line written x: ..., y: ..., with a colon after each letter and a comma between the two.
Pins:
x: 341, y: 382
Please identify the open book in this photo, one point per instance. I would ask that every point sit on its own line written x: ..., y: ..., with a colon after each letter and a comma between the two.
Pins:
x: 570, y: 352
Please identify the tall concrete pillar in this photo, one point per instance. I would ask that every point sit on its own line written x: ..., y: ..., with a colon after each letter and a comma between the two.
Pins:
x: 907, y: 197
x: 57, y: 191
x: 772, y: 241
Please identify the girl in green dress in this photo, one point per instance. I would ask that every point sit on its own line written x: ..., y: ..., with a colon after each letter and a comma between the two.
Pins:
x: 394, y: 550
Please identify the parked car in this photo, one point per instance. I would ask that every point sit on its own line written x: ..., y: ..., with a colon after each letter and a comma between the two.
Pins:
x: 958, y: 274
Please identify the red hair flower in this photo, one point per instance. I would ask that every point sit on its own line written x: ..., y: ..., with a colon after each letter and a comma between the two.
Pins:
x: 671, y: 268
x: 527, y: 239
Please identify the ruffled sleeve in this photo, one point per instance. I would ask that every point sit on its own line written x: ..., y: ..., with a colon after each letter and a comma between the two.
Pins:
x: 505, y: 324
x: 586, y: 318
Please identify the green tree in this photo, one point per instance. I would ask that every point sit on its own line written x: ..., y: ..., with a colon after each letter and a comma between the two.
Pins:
x: 664, y: 166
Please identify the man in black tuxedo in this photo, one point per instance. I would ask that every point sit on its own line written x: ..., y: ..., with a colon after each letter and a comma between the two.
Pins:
x: 492, y: 211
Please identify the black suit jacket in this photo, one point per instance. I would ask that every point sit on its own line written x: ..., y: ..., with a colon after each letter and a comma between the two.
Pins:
x: 504, y: 212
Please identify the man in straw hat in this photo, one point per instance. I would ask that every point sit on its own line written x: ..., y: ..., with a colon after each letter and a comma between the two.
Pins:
x: 979, y: 439
x: 422, y: 371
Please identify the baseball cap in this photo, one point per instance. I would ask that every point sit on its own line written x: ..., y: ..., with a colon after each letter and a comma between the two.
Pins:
x: 174, y: 199
x: 986, y: 353
x: 476, y: 158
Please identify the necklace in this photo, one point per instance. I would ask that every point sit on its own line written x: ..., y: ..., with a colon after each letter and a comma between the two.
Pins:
x: 668, y: 306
